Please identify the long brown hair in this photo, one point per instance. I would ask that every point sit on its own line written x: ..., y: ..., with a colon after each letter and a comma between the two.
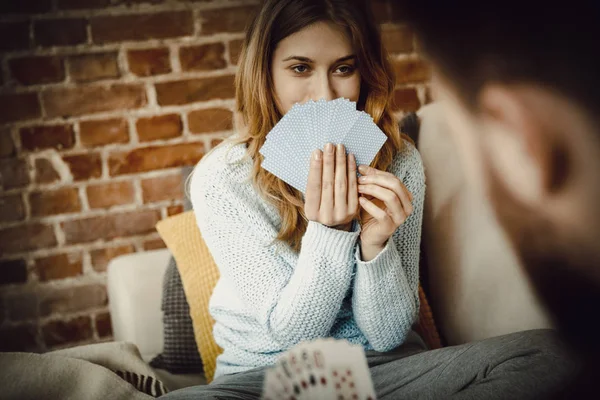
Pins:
x: 255, y: 97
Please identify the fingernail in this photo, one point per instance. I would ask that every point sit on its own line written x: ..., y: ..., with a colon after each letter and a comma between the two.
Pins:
x: 340, y: 149
x: 363, y: 169
x: 362, y: 179
x: 329, y: 148
x: 317, y: 155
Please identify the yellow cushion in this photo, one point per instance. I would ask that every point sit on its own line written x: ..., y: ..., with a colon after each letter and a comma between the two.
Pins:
x: 199, y: 275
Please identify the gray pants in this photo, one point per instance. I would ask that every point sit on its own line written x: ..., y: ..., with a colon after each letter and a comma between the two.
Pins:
x: 524, y: 365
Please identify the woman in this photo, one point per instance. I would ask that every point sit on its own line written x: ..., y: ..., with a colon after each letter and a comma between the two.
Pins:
x: 340, y: 262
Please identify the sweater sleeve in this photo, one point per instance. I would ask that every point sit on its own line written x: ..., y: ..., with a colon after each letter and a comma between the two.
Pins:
x: 386, y: 300
x: 294, y: 300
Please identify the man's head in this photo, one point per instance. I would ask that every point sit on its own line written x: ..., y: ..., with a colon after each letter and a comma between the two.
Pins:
x: 521, y: 88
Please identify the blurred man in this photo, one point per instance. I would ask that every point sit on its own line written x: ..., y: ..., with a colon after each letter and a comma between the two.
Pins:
x: 520, y: 86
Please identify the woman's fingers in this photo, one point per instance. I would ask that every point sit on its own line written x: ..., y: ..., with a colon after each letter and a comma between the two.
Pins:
x: 373, y: 210
x: 390, y: 182
x: 352, y: 185
x: 341, y: 183
x: 392, y: 202
x: 328, y: 183
x: 313, y: 186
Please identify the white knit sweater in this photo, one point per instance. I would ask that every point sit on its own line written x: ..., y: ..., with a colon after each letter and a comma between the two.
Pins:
x: 270, y: 298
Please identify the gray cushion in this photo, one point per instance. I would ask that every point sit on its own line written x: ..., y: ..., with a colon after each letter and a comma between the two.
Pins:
x: 180, y: 353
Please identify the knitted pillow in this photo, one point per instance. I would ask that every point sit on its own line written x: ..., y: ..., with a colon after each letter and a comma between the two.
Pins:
x: 180, y: 352
x: 200, y: 274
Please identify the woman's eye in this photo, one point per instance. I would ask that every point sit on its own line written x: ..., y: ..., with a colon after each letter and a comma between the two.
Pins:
x: 300, y: 69
x: 345, y: 69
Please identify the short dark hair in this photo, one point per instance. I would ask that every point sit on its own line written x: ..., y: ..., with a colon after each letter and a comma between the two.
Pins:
x: 554, y: 44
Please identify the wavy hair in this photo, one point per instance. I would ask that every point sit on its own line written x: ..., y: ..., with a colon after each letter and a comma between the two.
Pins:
x: 257, y: 111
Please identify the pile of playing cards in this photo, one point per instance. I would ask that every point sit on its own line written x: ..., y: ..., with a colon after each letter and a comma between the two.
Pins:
x: 310, y: 126
x: 324, y: 369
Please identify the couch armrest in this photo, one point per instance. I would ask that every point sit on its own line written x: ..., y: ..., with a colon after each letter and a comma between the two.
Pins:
x: 135, y: 295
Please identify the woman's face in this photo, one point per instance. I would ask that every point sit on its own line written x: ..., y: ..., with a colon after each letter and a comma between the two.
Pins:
x: 315, y: 63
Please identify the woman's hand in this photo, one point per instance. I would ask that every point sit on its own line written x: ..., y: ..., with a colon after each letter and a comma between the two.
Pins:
x: 385, y: 203
x: 332, y: 190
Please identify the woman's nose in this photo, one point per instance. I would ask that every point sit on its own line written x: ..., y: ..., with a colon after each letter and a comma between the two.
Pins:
x: 323, y: 88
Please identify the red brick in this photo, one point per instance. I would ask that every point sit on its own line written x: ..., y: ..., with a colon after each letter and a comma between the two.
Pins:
x: 46, y: 137
x: 406, y: 100
x: 110, y: 226
x: 72, y: 299
x: 173, y: 210
x: 37, y: 70
x: 103, y: 325
x: 25, y: 6
x: 71, y: 331
x: 210, y: 120
x: 12, y: 271
x: 142, y: 26
x: 93, y: 99
x: 60, y: 32
x: 162, y: 188
x: 12, y: 208
x: 155, y: 157
x: 411, y: 70
x: 82, y: 4
x: 215, y: 142
x: 154, y: 244
x: 22, y: 306
x: 14, y: 173
x: 7, y: 146
x: 193, y: 90
x: 18, y: 107
x: 54, y: 202
x: 235, y: 50
x: 232, y: 19
x: 19, y: 338
x: 397, y: 38
x: 149, y: 62
x: 26, y: 237
x: 60, y: 266
x: 93, y: 67
x: 84, y: 166
x: 204, y: 57
x: 14, y: 35
x: 99, y: 133
x: 101, y: 257
x: 106, y: 195
x: 45, y: 172
x: 159, y: 127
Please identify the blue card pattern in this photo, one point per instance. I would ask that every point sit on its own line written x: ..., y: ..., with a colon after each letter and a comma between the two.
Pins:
x: 310, y: 126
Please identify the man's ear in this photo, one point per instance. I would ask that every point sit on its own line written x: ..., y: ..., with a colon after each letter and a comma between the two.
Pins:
x: 524, y: 139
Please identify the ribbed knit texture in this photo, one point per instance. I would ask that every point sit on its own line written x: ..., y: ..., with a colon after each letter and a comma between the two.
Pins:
x: 269, y: 298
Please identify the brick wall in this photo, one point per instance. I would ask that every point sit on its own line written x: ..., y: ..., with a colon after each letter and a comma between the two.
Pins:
x: 101, y: 104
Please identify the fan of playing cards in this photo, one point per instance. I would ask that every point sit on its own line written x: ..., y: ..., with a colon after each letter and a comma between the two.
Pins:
x: 310, y: 126
x: 324, y: 369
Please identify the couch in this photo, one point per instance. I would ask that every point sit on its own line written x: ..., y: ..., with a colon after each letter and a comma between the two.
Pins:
x: 474, y: 281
